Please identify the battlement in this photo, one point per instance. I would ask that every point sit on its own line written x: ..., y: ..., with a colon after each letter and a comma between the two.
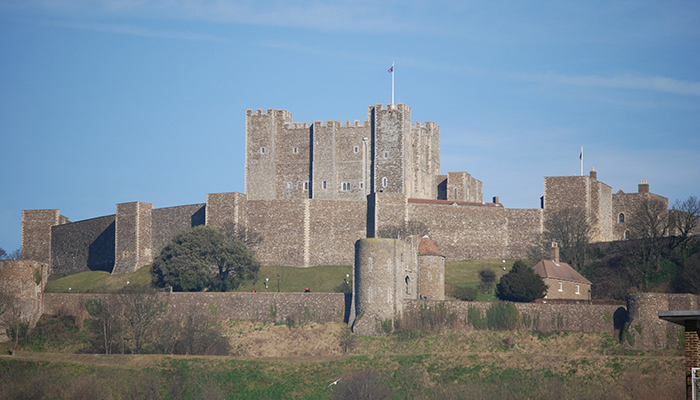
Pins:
x: 271, y: 112
x: 389, y: 106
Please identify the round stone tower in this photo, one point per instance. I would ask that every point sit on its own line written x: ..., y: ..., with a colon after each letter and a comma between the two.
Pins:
x: 385, y: 273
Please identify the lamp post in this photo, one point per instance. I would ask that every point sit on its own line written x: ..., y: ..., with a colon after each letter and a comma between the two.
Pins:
x: 266, y: 280
x: 278, y: 283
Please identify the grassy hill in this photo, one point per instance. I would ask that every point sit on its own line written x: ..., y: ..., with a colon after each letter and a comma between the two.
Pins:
x: 291, y: 279
x: 300, y: 362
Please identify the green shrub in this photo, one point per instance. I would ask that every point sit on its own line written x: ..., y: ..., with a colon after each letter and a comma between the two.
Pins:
x: 463, y: 293
x: 476, y: 319
x: 502, y: 316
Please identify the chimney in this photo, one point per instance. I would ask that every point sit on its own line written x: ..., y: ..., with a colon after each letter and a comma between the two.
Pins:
x: 555, y: 252
x: 594, y: 175
x: 495, y: 199
x: 643, y: 186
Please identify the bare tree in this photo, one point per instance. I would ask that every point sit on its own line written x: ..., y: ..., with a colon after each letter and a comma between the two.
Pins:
x: 13, y: 255
x: 649, y: 224
x: 571, y: 229
x: 140, y: 309
x: 685, y: 218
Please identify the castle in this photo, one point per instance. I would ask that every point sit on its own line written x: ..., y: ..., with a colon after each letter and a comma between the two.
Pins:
x: 312, y: 190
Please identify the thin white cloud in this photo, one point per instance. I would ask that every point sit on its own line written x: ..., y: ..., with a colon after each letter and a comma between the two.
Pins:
x: 344, y: 16
x: 126, y: 29
x: 653, y: 83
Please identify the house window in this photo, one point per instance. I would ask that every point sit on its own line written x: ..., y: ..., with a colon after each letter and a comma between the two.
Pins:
x: 621, y: 218
x: 306, y: 185
x: 346, y: 186
x: 262, y: 150
x: 578, y: 289
x: 295, y: 150
x: 356, y: 149
x: 384, y: 182
x: 561, y: 289
x: 627, y: 235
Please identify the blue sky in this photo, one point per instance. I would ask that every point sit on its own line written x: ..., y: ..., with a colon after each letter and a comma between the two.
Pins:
x: 104, y: 102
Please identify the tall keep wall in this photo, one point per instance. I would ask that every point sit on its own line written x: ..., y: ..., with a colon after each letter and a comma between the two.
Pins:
x: 82, y: 246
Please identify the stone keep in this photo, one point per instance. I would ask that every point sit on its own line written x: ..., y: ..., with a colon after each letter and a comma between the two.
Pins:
x: 313, y: 189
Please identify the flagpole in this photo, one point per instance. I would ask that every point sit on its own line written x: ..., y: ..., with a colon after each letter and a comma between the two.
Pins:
x: 581, y: 160
x: 392, y: 83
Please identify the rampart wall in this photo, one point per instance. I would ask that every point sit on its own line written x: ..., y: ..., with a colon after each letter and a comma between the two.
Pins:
x: 82, y: 246
x: 277, y: 307
x: 580, y: 317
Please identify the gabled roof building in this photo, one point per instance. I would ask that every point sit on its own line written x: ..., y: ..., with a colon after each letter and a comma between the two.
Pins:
x: 562, y: 280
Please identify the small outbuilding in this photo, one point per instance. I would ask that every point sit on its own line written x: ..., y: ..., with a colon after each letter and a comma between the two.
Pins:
x: 562, y: 280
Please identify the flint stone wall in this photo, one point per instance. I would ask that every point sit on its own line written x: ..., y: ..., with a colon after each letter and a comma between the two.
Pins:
x: 581, y: 317
x: 230, y: 306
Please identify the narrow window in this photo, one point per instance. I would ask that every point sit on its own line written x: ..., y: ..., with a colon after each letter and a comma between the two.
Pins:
x: 408, y: 287
x: 306, y: 185
x: 621, y: 218
x: 362, y: 185
x: 356, y: 149
x: 561, y: 289
x: 455, y: 193
x: 346, y: 186
x: 325, y: 184
x: 386, y: 154
x: 262, y: 150
x: 384, y: 182
x: 295, y: 150
x: 627, y: 235
x: 578, y: 289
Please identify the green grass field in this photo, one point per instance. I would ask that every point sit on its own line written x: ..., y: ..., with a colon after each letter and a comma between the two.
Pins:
x: 322, y: 279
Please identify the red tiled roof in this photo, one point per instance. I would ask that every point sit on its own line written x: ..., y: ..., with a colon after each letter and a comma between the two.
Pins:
x: 426, y: 247
x: 558, y: 270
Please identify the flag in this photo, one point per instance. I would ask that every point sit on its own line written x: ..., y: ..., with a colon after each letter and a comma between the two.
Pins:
x: 580, y: 157
x: 391, y: 69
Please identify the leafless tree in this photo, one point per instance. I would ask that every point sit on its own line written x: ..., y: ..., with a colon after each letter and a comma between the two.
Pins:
x: 571, y: 229
x: 685, y: 219
x: 13, y: 255
x: 140, y: 308
x: 649, y: 224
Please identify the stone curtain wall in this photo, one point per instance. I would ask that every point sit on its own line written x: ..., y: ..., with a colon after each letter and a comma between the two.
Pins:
x: 231, y: 306
x: 169, y: 222
x: 463, y: 231
x: 81, y: 246
x: 524, y: 226
x: 552, y: 317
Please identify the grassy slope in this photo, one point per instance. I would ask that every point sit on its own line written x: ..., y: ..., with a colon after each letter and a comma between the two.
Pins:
x: 292, y: 279
x: 488, y: 365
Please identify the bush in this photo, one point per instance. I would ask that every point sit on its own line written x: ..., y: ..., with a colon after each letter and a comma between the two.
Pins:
x: 464, y: 293
x: 503, y: 316
x: 476, y: 318
x: 521, y: 284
